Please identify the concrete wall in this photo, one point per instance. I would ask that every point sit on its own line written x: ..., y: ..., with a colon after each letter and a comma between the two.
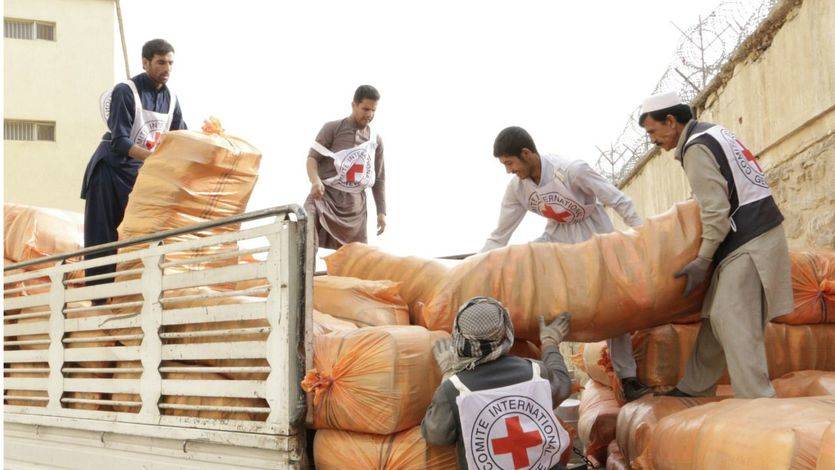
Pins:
x: 56, y: 81
x: 779, y: 98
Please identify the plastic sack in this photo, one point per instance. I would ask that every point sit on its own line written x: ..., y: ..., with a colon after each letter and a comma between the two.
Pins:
x: 598, y: 419
x: 418, y: 277
x: 34, y: 232
x: 362, y: 302
x: 662, y: 352
x: 766, y: 433
x: 324, y: 324
x: 526, y: 349
x: 615, y: 460
x: 612, y: 283
x: 805, y: 383
x: 376, y: 380
x: 337, y: 450
x: 191, y: 177
x: 813, y: 284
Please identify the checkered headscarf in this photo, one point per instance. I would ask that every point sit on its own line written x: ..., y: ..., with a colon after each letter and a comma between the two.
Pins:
x: 482, y: 332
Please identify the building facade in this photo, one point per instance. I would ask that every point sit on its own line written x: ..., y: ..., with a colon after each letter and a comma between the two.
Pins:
x: 59, y: 58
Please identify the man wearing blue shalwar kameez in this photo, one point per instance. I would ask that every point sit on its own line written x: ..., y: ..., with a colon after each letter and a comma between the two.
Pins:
x: 138, y: 112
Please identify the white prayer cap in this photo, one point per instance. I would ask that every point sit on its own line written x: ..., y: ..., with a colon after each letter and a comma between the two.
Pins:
x: 660, y: 101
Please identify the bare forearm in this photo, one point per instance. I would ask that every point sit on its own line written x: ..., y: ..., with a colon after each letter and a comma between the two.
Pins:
x: 138, y: 153
x: 313, y: 171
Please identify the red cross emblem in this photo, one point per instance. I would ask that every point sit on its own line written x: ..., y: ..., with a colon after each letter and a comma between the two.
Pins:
x: 749, y: 156
x: 356, y: 169
x: 549, y: 212
x: 151, y: 140
x: 517, y: 442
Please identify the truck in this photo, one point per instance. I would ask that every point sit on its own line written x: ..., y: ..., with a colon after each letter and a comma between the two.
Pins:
x: 125, y: 370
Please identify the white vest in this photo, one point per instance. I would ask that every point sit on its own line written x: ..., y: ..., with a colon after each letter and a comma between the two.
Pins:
x: 511, y: 427
x: 354, y: 166
x: 555, y: 200
x: 148, y: 126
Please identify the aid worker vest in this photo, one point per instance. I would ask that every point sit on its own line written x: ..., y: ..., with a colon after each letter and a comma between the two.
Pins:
x: 148, y: 126
x: 512, y: 427
x: 753, y: 210
x: 555, y: 200
x: 354, y: 166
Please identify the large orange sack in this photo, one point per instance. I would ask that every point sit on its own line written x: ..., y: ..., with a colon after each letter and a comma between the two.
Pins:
x: 377, y: 380
x: 362, y: 302
x: 192, y: 177
x: 418, y: 277
x: 637, y: 420
x: 598, y: 419
x: 662, y: 352
x: 337, y: 450
x: 766, y: 433
x: 612, y: 284
x: 813, y: 284
x: 34, y: 232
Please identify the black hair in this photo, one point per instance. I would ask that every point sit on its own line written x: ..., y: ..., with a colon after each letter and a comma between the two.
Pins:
x: 156, y: 47
x: 366, y: 92
x: 511, y: 141
x: 681, y: 112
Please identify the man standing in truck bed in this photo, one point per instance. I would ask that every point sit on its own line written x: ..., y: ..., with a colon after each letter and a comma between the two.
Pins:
x: 344, y: 160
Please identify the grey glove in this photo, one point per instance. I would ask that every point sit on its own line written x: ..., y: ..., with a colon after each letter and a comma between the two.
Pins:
x: 556, y: 331
x: 696, y: 272
x: 444, y: 356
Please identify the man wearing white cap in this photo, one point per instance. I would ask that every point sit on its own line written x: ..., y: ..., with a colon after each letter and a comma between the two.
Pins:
x: 742, y: 239
x: 571, y: 196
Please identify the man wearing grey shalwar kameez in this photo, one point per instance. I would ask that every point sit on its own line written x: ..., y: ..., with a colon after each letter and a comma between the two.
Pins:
x: 742, y: 239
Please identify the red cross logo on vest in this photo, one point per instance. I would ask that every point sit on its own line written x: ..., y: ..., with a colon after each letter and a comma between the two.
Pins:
x: 517, y: 442
x: 550, y: 213
x: 151, y: 140
x: 356, y: 169
x: 750, y: 156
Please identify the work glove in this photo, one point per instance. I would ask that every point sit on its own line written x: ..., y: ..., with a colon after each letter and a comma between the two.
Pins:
x: 696, y: 272
x: 556, y: 331
x: 444, y: 356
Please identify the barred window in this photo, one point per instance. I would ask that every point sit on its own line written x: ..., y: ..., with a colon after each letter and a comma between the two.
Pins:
x: 28, y: 29
x: 18, y: 29
x: 46, y: 31
x: 29, y: 130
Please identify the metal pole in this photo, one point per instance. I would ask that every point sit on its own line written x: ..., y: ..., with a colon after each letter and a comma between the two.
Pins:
x: 122, y: 36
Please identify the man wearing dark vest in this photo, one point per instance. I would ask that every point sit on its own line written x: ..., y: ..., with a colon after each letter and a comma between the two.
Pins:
x: 742, y: 240
x: 494, y: 407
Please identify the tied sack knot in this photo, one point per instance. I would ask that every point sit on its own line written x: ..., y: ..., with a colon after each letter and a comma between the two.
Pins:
x: 212, y: 126
x: 317, y: 383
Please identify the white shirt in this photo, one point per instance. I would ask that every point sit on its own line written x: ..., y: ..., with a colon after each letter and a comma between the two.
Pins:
x: 571, y: 195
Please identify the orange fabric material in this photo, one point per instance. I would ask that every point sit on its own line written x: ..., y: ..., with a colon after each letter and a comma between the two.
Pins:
x: 615, y: 459
x: 733, y: 434
x: 662, y: 352
x: 805, y: 383
x: 192, y: 177
x: 338, y: 450
x: 813, y: 284
x: 598, y: 418
x: 638, y: 420
x: 324, y: 324
x: 364, y: 303
x: 34, y: 232
x: 612, y: 284
x: 418, y: 277
x: 376, y: 380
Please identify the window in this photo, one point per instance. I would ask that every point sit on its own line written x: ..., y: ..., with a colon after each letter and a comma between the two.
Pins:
x: 28, y: 29
x: 29, y: 130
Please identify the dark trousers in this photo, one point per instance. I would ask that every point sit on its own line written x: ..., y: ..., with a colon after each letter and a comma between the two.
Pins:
x: 107, y: 196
